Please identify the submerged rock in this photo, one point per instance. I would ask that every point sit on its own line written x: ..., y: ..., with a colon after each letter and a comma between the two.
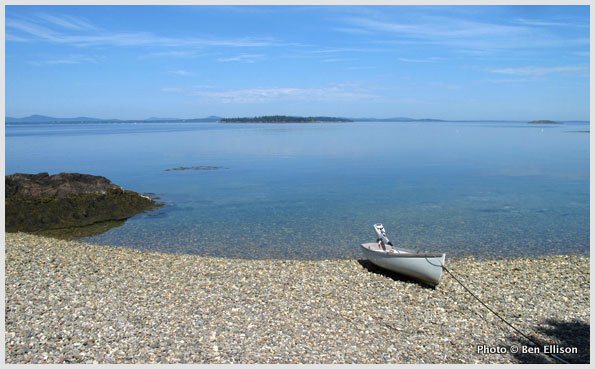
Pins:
x: 42, y: 202
x: 543, y: 121
x: 198, y: 167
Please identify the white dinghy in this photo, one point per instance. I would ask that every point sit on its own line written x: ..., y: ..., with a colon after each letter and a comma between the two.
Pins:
x: 426, y: 267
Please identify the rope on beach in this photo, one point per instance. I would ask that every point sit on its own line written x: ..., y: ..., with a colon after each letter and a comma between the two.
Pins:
x: 556, y: 357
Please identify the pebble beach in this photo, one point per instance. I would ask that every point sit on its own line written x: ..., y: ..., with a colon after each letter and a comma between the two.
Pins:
x: 75, y: 302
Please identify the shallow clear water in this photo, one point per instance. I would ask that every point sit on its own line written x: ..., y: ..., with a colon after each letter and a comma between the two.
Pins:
x: 313, y: 191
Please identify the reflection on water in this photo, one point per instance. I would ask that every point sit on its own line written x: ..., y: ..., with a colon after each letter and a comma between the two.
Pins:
x: 314, y: 191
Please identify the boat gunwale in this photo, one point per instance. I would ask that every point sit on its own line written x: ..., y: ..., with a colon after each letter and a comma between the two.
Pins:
x: 412, y: 254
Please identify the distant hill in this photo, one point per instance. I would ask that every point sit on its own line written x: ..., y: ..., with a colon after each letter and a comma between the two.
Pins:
x: 47, y: 119
x: 284, y: 119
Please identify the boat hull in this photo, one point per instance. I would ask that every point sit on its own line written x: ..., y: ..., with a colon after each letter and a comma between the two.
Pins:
x: 421, y: 266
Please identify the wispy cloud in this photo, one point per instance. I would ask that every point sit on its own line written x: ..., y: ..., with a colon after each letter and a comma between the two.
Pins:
x: 243, y: 58
x: 336, y: 92
x: 174, y: 54
x: 172, y: 89
x: 337, y: 60
x: 65, y: 59
x: 424, y: 60
x: 180, y: 72
x: 539, y: 71
x: 360, y: 67
x: 344, y: 50
x: 14, y: 38
x: 441, y: 27
x: 511, y: 80
x: 68, y: 22
x: 445, y: 86
x: 353, y: 30
x: 542, y: 23
x: 460, y: 34
x: 33, y: 31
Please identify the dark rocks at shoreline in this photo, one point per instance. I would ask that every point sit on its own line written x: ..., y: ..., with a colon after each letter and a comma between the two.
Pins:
x: 50, y: 203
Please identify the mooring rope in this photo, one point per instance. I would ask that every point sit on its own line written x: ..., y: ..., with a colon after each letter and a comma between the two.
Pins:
x: 501, y: 318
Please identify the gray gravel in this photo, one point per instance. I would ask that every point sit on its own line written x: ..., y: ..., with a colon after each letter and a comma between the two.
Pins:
x: 70, y: 301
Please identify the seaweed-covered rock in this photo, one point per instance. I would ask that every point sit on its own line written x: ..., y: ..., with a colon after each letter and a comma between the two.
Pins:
x: 40, y: 202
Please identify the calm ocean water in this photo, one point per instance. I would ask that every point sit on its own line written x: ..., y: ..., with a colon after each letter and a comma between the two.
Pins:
x: 313, y: 191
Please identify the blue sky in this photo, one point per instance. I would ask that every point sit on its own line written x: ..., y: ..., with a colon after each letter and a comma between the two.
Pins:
x: 449, y: 62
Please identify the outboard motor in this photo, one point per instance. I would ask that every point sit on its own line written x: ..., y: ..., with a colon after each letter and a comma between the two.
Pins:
x: 382, y: 238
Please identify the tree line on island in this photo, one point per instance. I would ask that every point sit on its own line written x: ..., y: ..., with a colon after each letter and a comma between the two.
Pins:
x: 283, y: 119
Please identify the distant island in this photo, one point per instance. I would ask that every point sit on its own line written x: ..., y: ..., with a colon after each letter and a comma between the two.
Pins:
x: 284, y: 119
x: 544, y: 121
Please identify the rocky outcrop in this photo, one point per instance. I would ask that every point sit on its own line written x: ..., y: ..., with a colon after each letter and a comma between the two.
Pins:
x: 42, y: 202
x: 60, y: 185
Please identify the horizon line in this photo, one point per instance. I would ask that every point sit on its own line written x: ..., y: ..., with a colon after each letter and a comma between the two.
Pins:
x: 289, y: 115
